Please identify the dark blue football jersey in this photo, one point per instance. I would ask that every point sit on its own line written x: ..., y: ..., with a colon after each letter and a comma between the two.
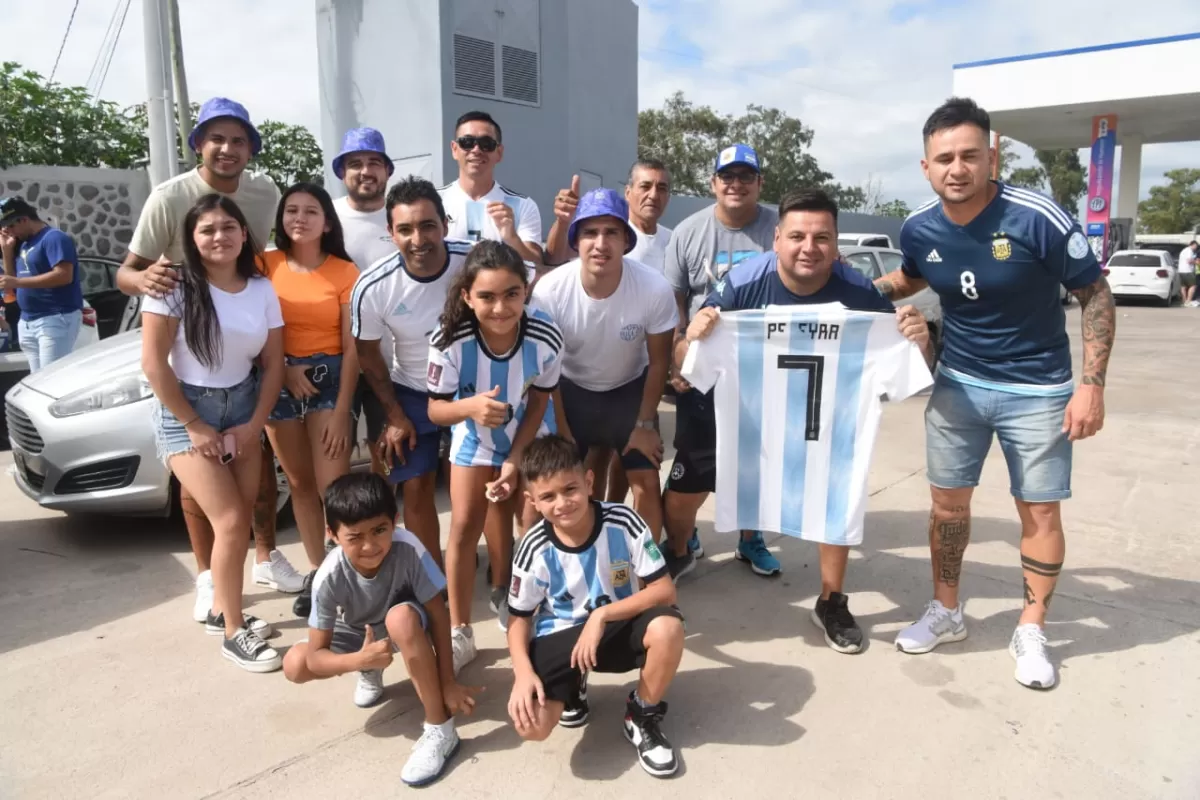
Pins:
x: 998, y: 278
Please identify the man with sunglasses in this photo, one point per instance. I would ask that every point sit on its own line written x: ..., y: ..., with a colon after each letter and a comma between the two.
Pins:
x: 703, y: 248
x: 477, y: 205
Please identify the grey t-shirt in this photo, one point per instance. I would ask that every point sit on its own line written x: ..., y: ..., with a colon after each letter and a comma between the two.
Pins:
x: 702, y: 250
x: 408, y: 572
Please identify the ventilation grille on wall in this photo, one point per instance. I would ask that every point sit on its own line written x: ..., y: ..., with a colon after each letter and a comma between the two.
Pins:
x: 475, y: 65
x: 519, y: 70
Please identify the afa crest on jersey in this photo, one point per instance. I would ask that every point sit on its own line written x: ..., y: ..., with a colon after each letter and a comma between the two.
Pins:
x: 1001, y: 247
x: 620, y: 573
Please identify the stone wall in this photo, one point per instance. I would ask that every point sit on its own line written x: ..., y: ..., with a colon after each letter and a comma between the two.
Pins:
x: 98, y: 207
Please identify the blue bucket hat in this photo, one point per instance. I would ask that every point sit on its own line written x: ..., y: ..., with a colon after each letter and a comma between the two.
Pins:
x: 224, y: 108
x: 361, y: 140
x: 601, y: 203
x: 737, y: 154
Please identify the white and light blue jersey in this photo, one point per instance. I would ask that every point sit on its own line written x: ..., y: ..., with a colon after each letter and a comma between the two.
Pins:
x: 464, y: 367
x: 559, y: 585
x: 797, y: 400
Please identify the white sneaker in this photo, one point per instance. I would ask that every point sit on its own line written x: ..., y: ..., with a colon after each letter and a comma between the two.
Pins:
x: 499, y: 604
x: 369, y: 689
x: 278, y: 574
x: 430, y: 754
x: 937, y: 625
x: 462, y: 642
x: 204, y: 596
x: 1028, y: 647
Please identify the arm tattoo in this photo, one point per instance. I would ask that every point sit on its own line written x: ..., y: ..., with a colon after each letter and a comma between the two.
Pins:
x: 950, y: 537
x: 886, y: 288
x: 1099, y: 330
x: 379, y: 378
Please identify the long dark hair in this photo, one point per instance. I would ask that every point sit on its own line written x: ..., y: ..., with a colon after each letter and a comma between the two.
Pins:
x: 333, y: 241
x: 201, y: 328
x: 485, y: 255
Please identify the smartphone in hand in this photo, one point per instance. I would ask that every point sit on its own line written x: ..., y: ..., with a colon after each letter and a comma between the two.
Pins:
x: 229, y: 445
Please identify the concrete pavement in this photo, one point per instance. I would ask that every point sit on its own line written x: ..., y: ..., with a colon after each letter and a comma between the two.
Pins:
x: 108, y: 689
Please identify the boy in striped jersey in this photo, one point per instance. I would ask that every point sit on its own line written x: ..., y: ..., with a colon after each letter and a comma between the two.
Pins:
x: 492, y: 366
x: 996, y: 256
x: 576, y: 607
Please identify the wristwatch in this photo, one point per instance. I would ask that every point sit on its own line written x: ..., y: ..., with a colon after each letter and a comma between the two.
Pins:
x: 648, y: 424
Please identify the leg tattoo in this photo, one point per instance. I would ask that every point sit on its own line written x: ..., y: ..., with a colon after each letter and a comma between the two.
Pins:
x: 1042, y: 570
x: 952, y: 536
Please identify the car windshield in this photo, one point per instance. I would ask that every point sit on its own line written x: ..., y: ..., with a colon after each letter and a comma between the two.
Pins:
x: 1135, y: 260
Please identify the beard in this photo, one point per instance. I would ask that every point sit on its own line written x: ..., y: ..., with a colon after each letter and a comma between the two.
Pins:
x: 364, y: 196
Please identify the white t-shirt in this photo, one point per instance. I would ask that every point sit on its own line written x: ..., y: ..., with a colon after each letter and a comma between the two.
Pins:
x: 605, y: 340
x: 651, y: 248
x: 1187, y: 261
x: 387, y: 298
x: 245, y: 319
x: 366, y: 234
x: 469, y: 220
x: 797, y: 399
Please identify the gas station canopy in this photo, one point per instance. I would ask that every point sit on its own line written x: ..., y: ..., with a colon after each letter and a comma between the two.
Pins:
x: 1048, y: 100
x: 1126, y: 94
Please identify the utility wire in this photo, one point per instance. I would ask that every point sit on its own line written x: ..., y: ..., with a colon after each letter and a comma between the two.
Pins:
x: 112, y: 50
x: 62, y: 46
x: 96, y: 62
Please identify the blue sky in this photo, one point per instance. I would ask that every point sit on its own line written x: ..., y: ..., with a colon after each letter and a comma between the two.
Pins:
x: 862, y: 73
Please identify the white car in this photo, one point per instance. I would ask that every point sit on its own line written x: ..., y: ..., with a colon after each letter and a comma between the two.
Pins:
x: 1143, y: 273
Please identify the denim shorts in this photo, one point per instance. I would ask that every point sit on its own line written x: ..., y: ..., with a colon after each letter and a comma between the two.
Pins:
x: 47, y: 339
x: 326, y: 377
x: 220, y: 408
x: 960, y: 421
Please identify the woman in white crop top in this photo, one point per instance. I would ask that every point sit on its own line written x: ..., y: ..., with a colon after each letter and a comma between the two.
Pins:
x: 200, y: 345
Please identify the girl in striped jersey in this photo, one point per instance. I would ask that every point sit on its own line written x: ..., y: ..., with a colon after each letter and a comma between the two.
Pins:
x: 493, y: 364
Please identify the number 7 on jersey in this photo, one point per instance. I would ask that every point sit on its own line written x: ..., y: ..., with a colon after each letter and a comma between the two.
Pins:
x: 815, y: 365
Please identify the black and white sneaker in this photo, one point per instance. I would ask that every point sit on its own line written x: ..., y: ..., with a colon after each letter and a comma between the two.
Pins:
x: 834, y: 619
x: 250, y: 652
x: 679, y: 566
x: 575, y: 711
x: 215, y: 625
x: 642, y: 730
x: 303, y: 605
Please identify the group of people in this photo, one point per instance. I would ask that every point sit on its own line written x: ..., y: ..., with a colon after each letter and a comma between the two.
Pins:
x: 535, y: 370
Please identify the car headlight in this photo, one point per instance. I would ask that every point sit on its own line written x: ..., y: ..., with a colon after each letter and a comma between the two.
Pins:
x: 109, y: 394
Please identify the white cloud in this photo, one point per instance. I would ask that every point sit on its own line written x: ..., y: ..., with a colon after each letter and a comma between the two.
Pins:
x: 862, y: 80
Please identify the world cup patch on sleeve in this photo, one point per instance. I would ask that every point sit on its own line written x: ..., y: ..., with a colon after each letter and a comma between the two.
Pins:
x: 515, y: 587
x: 435, y: 373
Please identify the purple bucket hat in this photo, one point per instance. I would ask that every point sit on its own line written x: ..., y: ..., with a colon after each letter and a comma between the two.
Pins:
x: 224, y: 108
x: 601, y: 203
x: 361, y: 140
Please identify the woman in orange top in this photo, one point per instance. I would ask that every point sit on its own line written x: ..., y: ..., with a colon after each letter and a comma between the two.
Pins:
x: 312, y: 425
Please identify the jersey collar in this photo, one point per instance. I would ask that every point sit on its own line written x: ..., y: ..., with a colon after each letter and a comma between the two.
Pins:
x: 430, y: 278
x: 516, y: 345
x: 597, y: 525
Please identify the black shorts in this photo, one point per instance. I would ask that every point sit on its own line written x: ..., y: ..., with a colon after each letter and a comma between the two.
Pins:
x: 621, y: 650
x: 605, y: 419
x: 695, y: 467
x: 367, y: 403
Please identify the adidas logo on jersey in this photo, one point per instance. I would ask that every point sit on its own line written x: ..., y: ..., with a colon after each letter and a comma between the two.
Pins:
x: 933, y: 257
x: 400, y: 311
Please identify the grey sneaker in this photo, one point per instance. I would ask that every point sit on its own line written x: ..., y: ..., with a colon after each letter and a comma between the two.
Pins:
x: 937, y: 625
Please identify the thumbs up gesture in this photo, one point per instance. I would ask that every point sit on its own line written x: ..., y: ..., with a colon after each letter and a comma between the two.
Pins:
x: 488, y: 411
x: 375, y: 654
x: 567, y: 200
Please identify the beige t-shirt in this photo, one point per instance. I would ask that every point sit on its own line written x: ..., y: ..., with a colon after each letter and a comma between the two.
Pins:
x: 160, y: 227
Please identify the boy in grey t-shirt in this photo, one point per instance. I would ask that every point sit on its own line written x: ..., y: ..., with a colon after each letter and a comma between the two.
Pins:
x: 389, y: 592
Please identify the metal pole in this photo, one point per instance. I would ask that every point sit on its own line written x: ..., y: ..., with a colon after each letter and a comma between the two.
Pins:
x: 183, y: 107
x: 161, y: 155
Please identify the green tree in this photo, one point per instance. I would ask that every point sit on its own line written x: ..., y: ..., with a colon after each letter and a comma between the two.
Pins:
x: 290, y: 153
x: 893, y: 208
x: 1174, y: 208
x: 56, y: 125
x: 687, y: 137
x: 1065, y: 174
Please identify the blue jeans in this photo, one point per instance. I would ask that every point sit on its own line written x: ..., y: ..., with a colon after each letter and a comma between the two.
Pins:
x: 47, y: 339
x: 960, y: 421
x: 221, y: 409
x: 326, y: 377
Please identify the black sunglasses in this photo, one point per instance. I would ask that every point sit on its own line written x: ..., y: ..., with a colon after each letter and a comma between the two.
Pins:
x: 486, y: 143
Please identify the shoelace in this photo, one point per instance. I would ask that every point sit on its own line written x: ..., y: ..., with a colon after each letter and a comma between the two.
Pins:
x: 1030, y: 639
x: 840, y: 614
x: 652, y: 736
x: 283, y: 568
x: 758, y: 546
x: 433, y: 738
x: 249, y: 642
x: 935, y: 615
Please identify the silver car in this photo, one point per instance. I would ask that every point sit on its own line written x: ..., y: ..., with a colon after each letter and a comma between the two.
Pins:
x: 875, y: 262
x: 83, y: 437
